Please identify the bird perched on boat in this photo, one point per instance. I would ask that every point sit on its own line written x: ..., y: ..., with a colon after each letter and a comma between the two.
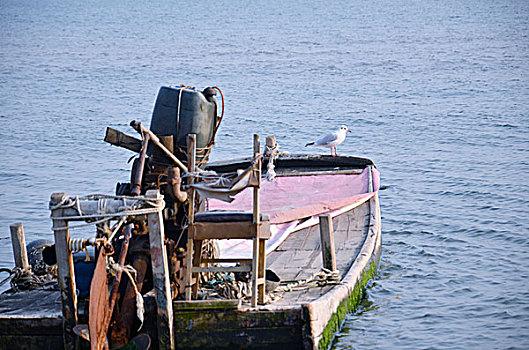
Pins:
x: 331, y: 140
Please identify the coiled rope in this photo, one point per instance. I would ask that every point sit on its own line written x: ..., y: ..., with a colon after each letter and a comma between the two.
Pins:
x: 132, y: 206
x: 25, y: 279
x: 319, y: 279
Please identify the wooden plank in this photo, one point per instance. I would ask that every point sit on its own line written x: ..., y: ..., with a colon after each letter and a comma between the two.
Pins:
x: 242, y: 338
x: 261, y: 268
x: 216, y: 304
x: 191, y: 159
x: 242, y: 268
x: 65, y: 271
x: 143, y: 130
x: 327, y: 242
x: 31, y: 342
x: 120, y: 139
x: 18, y: 242
x: 307, y: 172
x: 33, y: 326
x: 207, y: 319
x: 256, y: 220
x: 160, y: 271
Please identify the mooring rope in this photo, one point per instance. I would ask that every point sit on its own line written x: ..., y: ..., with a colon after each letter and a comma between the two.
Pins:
x: 25, y: 279
x: 318, y: 279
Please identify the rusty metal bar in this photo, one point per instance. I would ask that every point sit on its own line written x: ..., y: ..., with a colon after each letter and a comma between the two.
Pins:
x: 117, y: 280
x: 140, y: 165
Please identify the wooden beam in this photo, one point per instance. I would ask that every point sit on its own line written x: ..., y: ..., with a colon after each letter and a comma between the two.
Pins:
x: 141, y: 129
x: 214, y: 304
x: 191, y: 157
x: 327, y: 242
x: 256, y: 221
x: 18, y: 241
x: 120, y: 139
x: 160, y: 272
x: 240, y: 268
x: 65, y: 270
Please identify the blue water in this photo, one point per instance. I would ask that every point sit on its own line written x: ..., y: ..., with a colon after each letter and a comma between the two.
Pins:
x: 436, y: 93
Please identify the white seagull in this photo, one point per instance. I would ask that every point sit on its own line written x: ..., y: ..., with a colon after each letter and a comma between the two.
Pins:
x: 331, y: 140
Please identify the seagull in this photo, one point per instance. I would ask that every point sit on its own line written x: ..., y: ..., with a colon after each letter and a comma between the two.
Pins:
x: 331, y: 140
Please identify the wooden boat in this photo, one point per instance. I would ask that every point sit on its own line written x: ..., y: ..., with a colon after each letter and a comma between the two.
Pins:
x: 314, y: 224
x: 304, y: 318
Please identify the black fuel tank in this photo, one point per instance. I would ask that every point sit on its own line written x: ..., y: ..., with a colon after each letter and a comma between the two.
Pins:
x: 182, y: 111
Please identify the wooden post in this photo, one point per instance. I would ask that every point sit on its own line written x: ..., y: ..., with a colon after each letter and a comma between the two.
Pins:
x: 191, y: 156
x: 370, y: 178
x: 270, y: 144
x: 256, y: 221
x: 18, y: 241
x: 160, y: 272
x: 66, y: 271
x: 327, y: 242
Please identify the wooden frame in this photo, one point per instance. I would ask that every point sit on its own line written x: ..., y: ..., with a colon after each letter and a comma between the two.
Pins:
x: 258, y: 230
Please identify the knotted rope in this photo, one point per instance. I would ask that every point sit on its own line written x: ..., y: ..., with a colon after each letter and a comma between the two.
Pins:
x: 114, y: 267
x: 319, y: 279
x: 25, y: 279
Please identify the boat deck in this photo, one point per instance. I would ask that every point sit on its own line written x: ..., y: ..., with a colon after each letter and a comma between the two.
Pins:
x: 300, y: 257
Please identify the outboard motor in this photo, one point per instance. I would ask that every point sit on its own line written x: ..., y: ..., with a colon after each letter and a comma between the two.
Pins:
x: 180, y: 111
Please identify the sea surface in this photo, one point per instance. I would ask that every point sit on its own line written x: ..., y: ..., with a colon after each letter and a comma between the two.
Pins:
x: 435, y: 92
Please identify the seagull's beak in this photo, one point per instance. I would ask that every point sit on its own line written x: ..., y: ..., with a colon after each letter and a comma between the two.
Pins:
x: 348, y: 130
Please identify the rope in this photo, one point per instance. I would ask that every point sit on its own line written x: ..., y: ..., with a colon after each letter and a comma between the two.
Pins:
x: 319, y: 279
x: 25, y: 279
x: 272, y: 153
x: 132, y: 208
x: 131, y: 273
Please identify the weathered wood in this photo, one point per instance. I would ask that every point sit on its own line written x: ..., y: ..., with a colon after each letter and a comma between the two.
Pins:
x: 256, y: 220
x: 322, y: 310
x: 191, y: 158
x: 308, y: 172
x: 160, y: 271
x: 65, y: 271
x: 216, y: 304
x: 241, y: 268
x: 230, y: 230
x: 141, y: 129
x: 120, y: 139
x: 261, y: 271
x: 327, y: 242
x: 242, y: 338
x: 31, y: 342
x: 18, y: 241
x: 227, y: 260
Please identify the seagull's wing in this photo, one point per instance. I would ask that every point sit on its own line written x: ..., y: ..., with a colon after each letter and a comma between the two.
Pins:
x: 327, y: 139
